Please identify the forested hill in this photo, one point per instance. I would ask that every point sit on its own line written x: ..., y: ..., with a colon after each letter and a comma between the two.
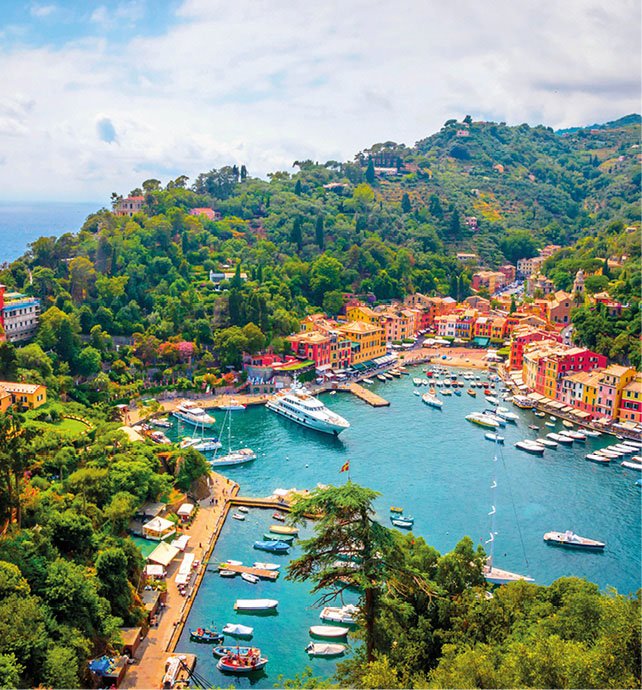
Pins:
x: 388, y: 223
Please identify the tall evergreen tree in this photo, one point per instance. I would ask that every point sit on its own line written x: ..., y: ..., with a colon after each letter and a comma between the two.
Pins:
x: 298, y: 188
x: 296, y: 235
x: 370, y: 172
x: 406, y: 206
x: 320, y: 233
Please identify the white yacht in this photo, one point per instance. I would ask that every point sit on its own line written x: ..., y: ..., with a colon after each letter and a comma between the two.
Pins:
x: 191, y: 413
x: 301, y: 407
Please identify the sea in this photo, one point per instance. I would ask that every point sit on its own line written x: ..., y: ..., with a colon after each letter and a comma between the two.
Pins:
x: 23, y: 223
x: 439, y: 468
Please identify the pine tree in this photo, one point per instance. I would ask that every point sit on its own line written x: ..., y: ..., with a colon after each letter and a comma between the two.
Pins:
x: 455, y: 224
x: 370, y: 173
x: 243, y: 173
x: 320, y: 233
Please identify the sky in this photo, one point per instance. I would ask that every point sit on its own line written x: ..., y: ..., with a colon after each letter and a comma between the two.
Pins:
x: 96, y: 97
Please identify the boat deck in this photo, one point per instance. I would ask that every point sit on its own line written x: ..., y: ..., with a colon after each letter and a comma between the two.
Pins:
x: 365, y: 395
x: 263, y: 574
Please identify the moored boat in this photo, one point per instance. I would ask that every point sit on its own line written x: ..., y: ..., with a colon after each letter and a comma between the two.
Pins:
x: 546, y: 442
x: 237, y: 457
x: 205, y: 635
x: 230, y: 649
x: 284, y: 529
x: 278, y: 516
x: 495, y: 438
x: 401, y: 522
x: 238, y: 630
x: 340, y: 614
x: 572, y: 540
x: 248, y: 577
x: 630, y: 465
x: 255, y: 604
x: 530, y: 447
x: 190, y: 412
x: 285, y: 538
x: 325, y: 649
x: 238, y: 516
x: 272, y: 546
x: 482, y: 420
x: 232, y: 404
x: 567, y: 424
x: 266, y: 566
x: 560, y: 439
x: 242, y: 663
x: 227, y: 573
x: 328, y: 631
x: 594, y: 457
x: 471, y: 392
x: 432, y: 401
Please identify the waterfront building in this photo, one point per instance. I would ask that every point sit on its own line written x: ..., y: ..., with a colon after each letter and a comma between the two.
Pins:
x: 612, y: 382
x: 312, y: 345
x: 129, y: 205
x: 631, y: 402
x: 509, y: 272
x: 31, y: 395
x: 19, y: 315
x: 367, y: 339
x: 522, y: 336
x: 580, y: 391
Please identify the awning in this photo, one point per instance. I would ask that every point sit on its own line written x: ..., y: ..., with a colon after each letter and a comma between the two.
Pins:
x: 568, y: 408
x: 186, y: 509
x: 536, y: 397
x: 482, y: 342
x: 182, y: 579
x: 181, y: 542
x: 158, y: 524
x: 324, y: 367
x: 556, y: 404
x: 582, y: 414
x: 359, y: 366
x: 164, y: 554
x: 185, y: 567
x: 154, y: 570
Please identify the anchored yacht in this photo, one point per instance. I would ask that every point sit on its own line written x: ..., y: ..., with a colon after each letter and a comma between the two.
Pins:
x: 301, y: 407
x: 191, y: 413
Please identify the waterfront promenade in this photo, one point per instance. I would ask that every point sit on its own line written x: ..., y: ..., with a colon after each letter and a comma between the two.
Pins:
x: 151, y: 655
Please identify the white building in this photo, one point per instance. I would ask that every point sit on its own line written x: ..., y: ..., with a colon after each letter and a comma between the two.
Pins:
x: 20, y: 314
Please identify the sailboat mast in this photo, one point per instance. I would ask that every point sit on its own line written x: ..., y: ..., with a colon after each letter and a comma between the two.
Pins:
x: 493, y: 510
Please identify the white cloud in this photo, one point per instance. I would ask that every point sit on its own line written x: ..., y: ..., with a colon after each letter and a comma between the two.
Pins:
x: 264, y: 82
x: 42, y: 10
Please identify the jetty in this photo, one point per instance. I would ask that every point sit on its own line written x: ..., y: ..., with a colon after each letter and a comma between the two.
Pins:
x: 259, y: 572
x: 365, y: 395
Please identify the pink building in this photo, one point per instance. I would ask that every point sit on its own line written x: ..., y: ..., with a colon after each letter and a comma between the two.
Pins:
x: 209, y: 213
x: 509, y: 271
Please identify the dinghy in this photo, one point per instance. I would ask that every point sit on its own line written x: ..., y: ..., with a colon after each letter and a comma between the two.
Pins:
x: 248, y: 577
x: 205, y: 635
x: 325, y: 649
x: 242, y: 663
x: 255, y: 604
x: 266, y: 566
x: 284, y: 529
x: 227, y: 649
x: 495, y: 438
x: 238, y: 630
x: 340, y: 614
x: 328, y: 631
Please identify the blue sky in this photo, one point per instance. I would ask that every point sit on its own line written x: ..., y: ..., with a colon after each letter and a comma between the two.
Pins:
x: 97, y: 96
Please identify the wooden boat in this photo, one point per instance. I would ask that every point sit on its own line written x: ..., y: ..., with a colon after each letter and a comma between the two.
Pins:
x: 238, y: 630
x: 227, y: 573
x: 539, y: 414
x: 471, y: 392
x: 328, y: 631
x: 381, y: 378
x: 238, y: 516
x: 229, y: 649
x: 284, y: 529
x: 325, y: 649
x: 394, y: 509
x: 205, y: 635
x: 571, y: 540
x: 401, y: 522
x: 637, y: 466
x: 248, y: 577
x: 567, y: 424
x: 593, y: 457
x: 278, y: 516
x: 273, y: 546
x: 286, y: 538
x: 368, y: 381
x: 242, y: 663
x: 255, y: 604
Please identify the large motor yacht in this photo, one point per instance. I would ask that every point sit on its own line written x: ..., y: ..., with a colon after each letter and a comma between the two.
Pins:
x: 301, y: 407
x: 191, y: 413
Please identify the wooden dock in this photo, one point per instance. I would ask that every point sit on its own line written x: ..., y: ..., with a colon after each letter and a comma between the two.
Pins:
x: 263, y: 574
x: 366, y: 395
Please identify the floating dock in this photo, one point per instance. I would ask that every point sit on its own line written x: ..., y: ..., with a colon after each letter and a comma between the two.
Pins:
x: 263, y: 574
x: 366, y: 395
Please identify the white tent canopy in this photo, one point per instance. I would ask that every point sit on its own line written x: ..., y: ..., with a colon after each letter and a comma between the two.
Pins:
x: 186, y: 510
x: 164, y: 554
x: 158, y: 524
x: 181, y: 579
x: 185, y: 567
x: 181, y: 542
x: 154, y: 570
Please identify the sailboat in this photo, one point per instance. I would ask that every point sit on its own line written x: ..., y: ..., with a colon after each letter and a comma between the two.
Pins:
x: 237, y: 457
x: 493, y: 575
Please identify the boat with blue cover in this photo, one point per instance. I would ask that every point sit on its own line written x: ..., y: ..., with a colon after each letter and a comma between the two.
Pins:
x: 273, y: 546
x: 205, y: 635
x: 228, y: 649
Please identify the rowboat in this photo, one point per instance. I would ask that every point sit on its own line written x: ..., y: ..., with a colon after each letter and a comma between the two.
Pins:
x: 266, y: 566
x: 324, y: 649
x: 238, y: 516
x: 394, y: 509
x: 255, y: 604
x: 492, y: 436
x: 205, y: 635
x: 244, y: 509
x: 286, y: 538
x: 401, y: 522
x: 547, y: 443
x: 328, y: 631
x: 572, y: 540
x: 227, y: 573
x: 471, y: 392
x: 284, y: 529
x: 248, y: 577
x: 567, y: 424
x: 632, y: 465
x: 238, y: 630
x: 593, y: 457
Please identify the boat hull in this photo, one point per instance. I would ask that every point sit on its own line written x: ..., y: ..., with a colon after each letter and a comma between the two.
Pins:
x: 308, y: 422
x: 205, y: 424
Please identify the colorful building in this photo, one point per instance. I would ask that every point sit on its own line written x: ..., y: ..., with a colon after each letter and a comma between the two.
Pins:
x: 129, y: 205
x: 558, y: 310
x: 19, y: 315
x: 31, y: 395
x: 368, y: 340
x: 613, y: 381
x: 631, y: 402
x: 523, y: 336
x: 490, y: 280
x: 312, y: 345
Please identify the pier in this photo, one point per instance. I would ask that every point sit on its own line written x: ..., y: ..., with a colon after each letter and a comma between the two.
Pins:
x: 259, y: 572
x: 365, y: 395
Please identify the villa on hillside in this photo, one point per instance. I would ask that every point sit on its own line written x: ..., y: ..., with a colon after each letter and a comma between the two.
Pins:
x: 129, y: 205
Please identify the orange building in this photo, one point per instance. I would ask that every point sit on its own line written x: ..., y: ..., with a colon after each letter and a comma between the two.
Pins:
x: 368, y: 340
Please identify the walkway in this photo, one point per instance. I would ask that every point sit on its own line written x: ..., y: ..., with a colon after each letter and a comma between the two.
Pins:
x: 149, y: 667
x: 365, y: 394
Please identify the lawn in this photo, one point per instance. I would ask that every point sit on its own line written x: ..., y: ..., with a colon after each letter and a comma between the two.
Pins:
x: 65, y: 427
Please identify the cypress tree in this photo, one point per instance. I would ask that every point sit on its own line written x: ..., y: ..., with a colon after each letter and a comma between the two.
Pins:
x: 406, y: 207
x: 370, y: 173
x: 320, y: 233
x: 296, y: 235
x: 298, y: 188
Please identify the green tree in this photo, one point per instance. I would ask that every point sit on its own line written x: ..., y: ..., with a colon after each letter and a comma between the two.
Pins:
x: 8, y: 361
x: 296, y: 236
x: 10, y: 671
x: 333, y: 302
x: 255, y: 338
x: 111, y: 569
x: 320, y: 233
x: 406, y: 206
x: 370, y: 172
x: 325, y: 276
x: 190, y: 467
x: 88, y: 361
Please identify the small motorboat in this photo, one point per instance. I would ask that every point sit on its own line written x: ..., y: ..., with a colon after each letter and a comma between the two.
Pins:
x: 287, y: 538
x: 340, y: 614
x: 229, y: 561
x: 205, y: 444
x: 432, y: 401
x: 162, y: 422
x: 368, y: 381
x: 638, y: 482
x: 328, y: 631
x: 546, y: 442
x: 238, y: 516
x: 594, y: 457
x: 530, y: 447
x: 608, y: 454
x: 255, y: 604
x: 394, y: 509
x: 248, y: 577
x: 492, y: 436
x: 233, y: 404
x: 266, y: 566
x: 572, y: 540
x: 401, y: 522
x: 491, y: 399
x: 238, y: 630
x: 416, y: 392
x: 320, y: 649
x: 471, y: 392
x: 534, y: 427
x: 539, y: 414
x: 205, y: 635
x: 227, y: 573
x: 630, y: 465
x: 552, y: 418
x: 272, y: 546
x: 575, y: 435
x: 381, y: 378
x: 560, y: 439
x: 551, y: 424
x: 278, y: 516
x: 242, y: 663
x: 416, y: 381
x: 228, y: 649
x: 244, y: 509
x: 567, y: 424
x: 506, y: 414
x: 483, y: 420
x: 590, y: 432
x: 456, y: 391
x: 284, y: 529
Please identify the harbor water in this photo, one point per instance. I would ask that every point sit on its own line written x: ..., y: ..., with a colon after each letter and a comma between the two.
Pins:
x: 439, y: 468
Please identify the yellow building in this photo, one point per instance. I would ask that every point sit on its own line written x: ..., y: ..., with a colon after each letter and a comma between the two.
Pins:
x: 631, y: 401
x: 29, y: 395
x: 368, y: 340
x: 6, y: 400
x: 360, y: 312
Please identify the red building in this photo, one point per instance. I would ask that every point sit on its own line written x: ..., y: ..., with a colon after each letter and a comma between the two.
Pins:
x: 312, y: 345
x: 523, y: 336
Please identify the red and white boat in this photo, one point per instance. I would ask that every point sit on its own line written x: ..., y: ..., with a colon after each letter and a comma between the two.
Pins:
x: 242, y: 661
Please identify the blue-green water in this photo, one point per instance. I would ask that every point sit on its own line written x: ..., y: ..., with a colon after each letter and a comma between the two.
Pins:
x: 439, y: 468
